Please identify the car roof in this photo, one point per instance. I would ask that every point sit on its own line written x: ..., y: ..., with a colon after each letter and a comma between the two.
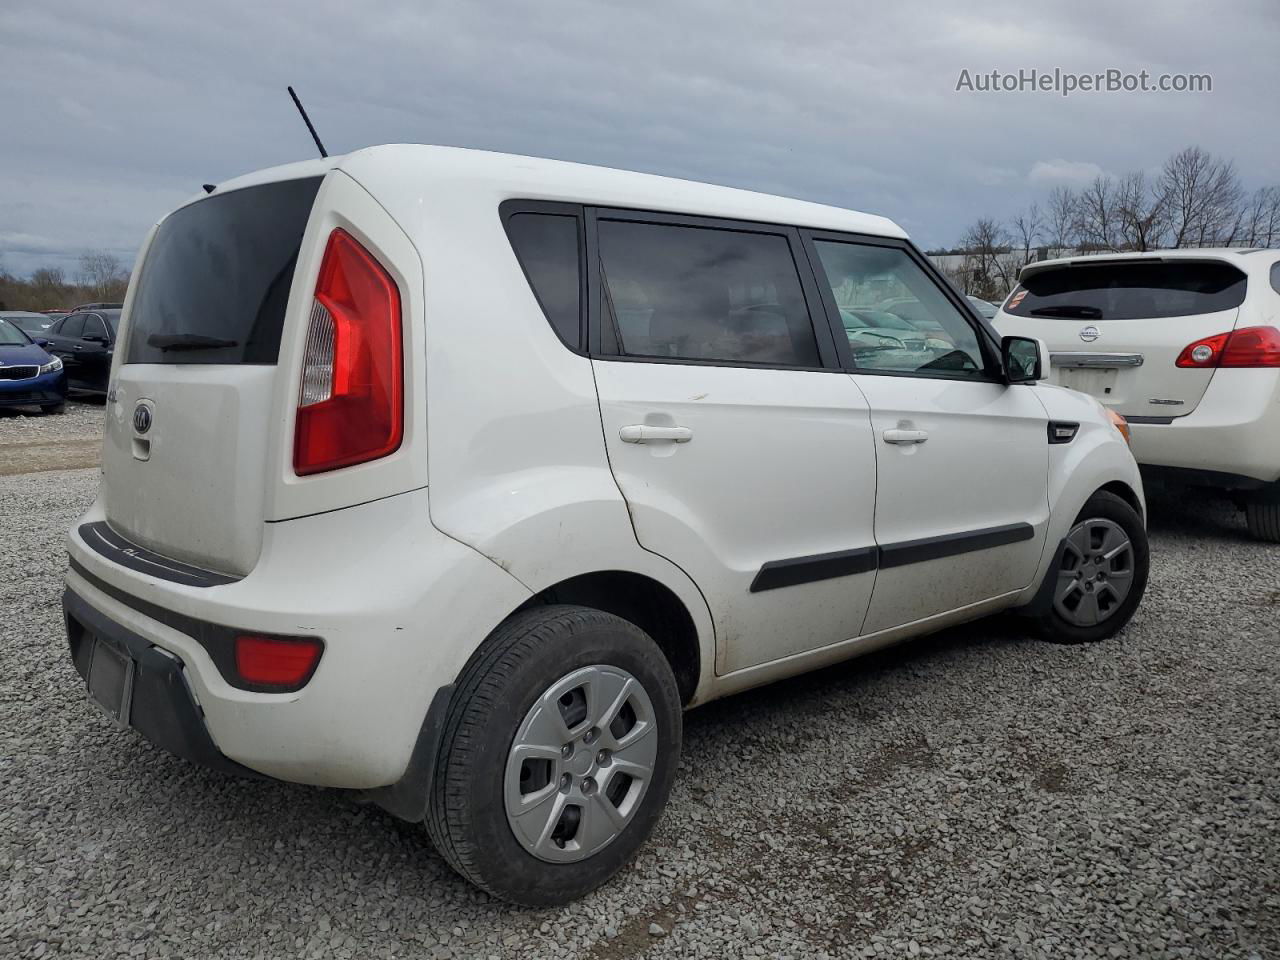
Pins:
x: 1239, y: 257
x: 10, y: 314
x: 399, y: 171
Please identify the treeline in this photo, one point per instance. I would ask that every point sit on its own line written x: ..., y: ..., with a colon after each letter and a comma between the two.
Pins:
x: 100, y: 277
x: 1196, y: 200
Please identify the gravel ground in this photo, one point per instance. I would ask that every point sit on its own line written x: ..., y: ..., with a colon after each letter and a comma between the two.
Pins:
x: 974, y: 794
x: 31, y: 441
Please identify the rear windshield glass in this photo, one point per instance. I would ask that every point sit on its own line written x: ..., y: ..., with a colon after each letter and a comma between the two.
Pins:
x: 216, y: 280
x: 1129, y: 291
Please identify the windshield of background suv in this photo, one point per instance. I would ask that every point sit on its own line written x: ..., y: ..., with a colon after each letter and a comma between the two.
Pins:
x: 1136, y: 290
x: 11, y: 336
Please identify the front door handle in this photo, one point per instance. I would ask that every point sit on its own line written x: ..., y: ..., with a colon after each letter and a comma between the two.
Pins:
x: 905, y: 436
x: 648, y: 433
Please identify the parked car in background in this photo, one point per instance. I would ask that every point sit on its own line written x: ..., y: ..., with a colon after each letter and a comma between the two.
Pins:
x: 984, y: 307
x: 85, y: 342
x: 1186, y: 345
x: 433, y: 499
x: 33, y: 323
x: 29, y: 376
x: 96, y: 306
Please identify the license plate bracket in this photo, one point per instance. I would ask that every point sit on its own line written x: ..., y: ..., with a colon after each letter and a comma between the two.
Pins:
x: 111, y: 675
x: 1098, y: 382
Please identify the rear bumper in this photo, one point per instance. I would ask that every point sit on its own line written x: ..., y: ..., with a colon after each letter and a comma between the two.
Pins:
x: 400, y: 608
x: 162, y: 707
x: 1234, y: 430
x: 47, y: 389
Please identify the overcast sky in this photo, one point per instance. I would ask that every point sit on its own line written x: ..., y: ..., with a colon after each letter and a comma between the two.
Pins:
x: 114, y: 112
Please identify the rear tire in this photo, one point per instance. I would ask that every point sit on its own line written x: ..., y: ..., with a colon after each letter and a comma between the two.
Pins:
x: 1263, y: 519
x: 1100, y: 576
x: 53, y: 409
x: 517, y: 804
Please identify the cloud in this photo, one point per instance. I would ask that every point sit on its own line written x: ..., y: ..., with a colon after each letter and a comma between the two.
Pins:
x: 115, y: 112
x: 1071, y: 173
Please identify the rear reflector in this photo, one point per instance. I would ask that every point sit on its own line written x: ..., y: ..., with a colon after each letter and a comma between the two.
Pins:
x: 351, y: 401
x: 1246, y: 347
x: 277, y: 663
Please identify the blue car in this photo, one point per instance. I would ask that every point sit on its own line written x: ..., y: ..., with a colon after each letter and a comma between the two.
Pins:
x: 28, y: 375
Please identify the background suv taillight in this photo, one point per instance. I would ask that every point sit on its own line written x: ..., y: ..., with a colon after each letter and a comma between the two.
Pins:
x: 351, y: 400
x: 1246, y: 347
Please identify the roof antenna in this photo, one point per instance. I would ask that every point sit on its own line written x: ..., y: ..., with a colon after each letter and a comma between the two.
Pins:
x: 307, y: 120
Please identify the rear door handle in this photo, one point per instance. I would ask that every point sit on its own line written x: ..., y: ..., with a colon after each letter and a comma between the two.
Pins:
x: 648, y: 433
x: 905, y: 436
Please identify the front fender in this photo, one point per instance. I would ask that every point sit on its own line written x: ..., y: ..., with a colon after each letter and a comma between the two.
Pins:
x: 1096, y: 457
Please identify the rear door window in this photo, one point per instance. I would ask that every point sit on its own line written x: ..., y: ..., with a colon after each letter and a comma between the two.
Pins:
x: 94, y: 326
x: 72, y: 326
x: 1138, y: 290
x: 705, y: 294
x: 1275, y: 276
x: 216, y: 280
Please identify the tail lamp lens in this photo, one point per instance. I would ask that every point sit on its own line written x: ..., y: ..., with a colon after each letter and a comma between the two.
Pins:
x: 351, y: 401
x: 1246, y: 347
x: 282, y: 663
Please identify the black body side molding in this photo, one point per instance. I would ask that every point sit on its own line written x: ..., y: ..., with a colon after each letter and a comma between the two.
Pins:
x: 822, y: 566
x: 844, y: 563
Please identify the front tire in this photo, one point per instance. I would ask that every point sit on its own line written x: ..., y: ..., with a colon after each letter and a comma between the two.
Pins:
x: 53, y: 408
x: 1100, y: 574
x: 559, y: 751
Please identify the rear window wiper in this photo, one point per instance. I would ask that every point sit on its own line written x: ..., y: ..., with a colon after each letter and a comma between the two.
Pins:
x: 1075, y: 310
x: 188, y: 341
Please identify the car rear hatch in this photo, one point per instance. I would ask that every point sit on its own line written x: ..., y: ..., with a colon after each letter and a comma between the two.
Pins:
x: 1116, y: 327
x: 191, y: 402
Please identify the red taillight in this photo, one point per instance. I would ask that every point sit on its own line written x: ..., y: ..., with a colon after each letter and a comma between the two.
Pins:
x: 1246, y: 347
x: 283, y: 663
x: 351, y: 402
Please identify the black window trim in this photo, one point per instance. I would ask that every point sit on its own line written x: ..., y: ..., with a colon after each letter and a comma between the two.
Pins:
x: 510, y: 208
x: 1275, y: 276
x: 830, y: 362
x: 988, y: 339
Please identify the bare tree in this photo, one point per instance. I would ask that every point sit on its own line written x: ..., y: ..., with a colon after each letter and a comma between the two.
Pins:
x: 989, y: 269
x: 1098, y: 217
x: 1141, y: 213
x: 1203, y: 196
x: 102, y: 274
x: 1027, y: 229
x: 1061, y: 218
x: 1261, y: 222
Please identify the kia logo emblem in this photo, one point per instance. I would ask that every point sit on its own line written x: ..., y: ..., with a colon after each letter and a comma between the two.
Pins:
x: 142, y: 418
x: 1090, y: 334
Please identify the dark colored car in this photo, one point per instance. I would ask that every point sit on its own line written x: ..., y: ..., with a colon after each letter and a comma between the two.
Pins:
x: 29, y: 376
x: 85, y: 342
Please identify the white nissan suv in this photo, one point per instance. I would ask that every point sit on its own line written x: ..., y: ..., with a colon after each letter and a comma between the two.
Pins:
x: 1186, y: 345
x: 453, y: 478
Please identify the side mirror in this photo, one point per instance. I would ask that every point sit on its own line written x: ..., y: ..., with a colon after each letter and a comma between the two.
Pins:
x: 1024, y: 360
x: 40, y: 342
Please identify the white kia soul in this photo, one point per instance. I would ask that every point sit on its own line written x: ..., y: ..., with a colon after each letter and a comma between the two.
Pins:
x: 454, y: 477
x: 1186, y: 345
